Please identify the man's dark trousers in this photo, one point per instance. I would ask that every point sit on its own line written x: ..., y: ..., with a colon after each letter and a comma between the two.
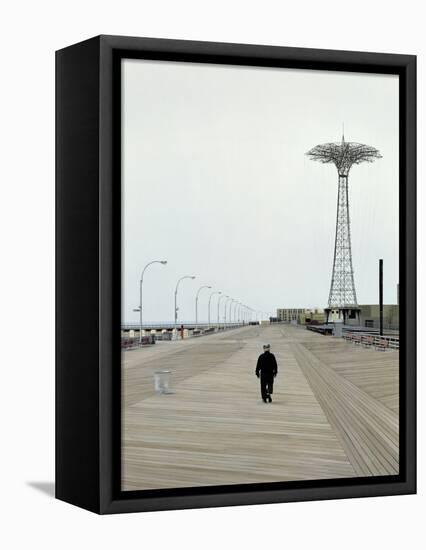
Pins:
x: 266, y: 386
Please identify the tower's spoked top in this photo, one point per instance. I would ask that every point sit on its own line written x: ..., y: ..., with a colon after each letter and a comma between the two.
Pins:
x: 343, y: 154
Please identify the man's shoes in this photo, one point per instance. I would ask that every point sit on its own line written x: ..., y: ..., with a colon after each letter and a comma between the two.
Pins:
x: 269, y: 399
x: 264, y: 400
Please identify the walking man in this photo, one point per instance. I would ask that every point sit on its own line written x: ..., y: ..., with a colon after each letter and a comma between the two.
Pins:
x: 266, y: 369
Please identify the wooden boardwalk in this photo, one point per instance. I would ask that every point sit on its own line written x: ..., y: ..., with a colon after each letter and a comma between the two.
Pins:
x: 334, y: 414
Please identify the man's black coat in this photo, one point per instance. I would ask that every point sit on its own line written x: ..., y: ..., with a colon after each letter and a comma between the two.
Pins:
x: 267, y: 366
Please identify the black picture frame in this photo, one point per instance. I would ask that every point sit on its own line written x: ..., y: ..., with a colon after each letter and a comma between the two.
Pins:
x: 88, y: 144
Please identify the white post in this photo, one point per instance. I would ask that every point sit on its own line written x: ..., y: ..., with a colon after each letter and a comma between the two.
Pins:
x: 210, y: 299
x: 163, y: 262
x: 176, y: 291
x: 196, y: 302
x: 218, y: 304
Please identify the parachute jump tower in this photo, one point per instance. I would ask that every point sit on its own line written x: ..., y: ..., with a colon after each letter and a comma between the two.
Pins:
x: 342, y: 300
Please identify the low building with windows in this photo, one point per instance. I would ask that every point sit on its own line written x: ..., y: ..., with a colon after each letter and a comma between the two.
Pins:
x: 301, y: 316
x: 287, y: 315
x: 312, y: 317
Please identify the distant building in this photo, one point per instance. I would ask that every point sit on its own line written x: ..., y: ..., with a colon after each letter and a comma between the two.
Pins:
x: 369, y: 316
x: 288, y: 315
x: 312, y: 316
x: 301, y: 316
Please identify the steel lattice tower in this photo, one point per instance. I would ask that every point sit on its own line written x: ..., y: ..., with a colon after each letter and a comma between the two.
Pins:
x: 343, y: 155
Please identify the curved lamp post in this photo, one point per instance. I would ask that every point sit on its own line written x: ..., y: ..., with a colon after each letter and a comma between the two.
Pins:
x: 245, y: 313
x: 235, y: 311
x: 196, y: 302
x: 232, y: 313
x: 218, y: 304
x: 176, y: 291
x: 250, y: 314
x: 210, y: 299
x: 231, y: 319
x: 238, y: 307
x: 163, y: 262
x: 226, y: 305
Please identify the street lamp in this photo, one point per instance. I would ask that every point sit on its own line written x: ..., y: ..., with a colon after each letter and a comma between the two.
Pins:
x: 210, y: 299
x: 242, y: 313
x: 218, y: 304
x: 232, y: 317
x: 249, y: 314
x: 163, y: 262
x: 245, y: 312
x: 230, y: 311
x: 226, y: 305
x: 235, y: 311
x: 176, y: 291
x: 238, y: 306
x: 196, y: 302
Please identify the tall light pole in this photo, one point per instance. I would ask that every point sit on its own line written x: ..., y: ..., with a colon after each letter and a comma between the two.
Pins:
x: 210, y: 299
x: 196, y: 302
x: 235, y: 311
x: 251, y: 314
x: 226, y: 305
x: 163, y: 262
x: 232, y: 316
x: 176, y: 291
x: 243, y: 313
x: 239, y: 312
x: 218, y: 304
x: 246, y: 309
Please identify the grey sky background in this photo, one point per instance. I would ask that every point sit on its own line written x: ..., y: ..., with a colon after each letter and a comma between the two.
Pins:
x: 216, y: 181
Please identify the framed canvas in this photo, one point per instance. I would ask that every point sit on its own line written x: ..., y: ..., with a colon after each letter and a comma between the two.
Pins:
x: 236, y: 282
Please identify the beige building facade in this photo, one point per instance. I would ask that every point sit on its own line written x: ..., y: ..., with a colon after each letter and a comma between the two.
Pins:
x: 301, y: 316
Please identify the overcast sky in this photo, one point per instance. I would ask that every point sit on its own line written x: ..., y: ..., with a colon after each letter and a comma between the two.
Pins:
x: 216, y: 181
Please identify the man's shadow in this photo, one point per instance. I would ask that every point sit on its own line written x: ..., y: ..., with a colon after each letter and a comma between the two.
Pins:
x: 46, y: 487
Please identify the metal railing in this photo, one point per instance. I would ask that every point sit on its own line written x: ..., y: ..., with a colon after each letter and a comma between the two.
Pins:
x: 375, y: 341
x: 135, y: 343
x: 170, y: 326
x: 130, y: 336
